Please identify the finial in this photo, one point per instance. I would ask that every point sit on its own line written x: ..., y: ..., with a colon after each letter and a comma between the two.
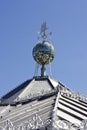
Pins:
x: 43, y: 52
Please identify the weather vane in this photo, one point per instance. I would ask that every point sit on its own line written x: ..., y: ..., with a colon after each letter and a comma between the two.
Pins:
x: 43, y: 30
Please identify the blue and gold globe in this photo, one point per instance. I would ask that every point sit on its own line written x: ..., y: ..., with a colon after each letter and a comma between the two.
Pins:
x: 43, y: 53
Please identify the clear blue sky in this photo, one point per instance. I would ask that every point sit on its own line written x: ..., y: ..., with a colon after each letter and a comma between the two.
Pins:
x: 20, y: 20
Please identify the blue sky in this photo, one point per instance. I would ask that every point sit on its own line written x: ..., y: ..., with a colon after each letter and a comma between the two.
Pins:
x: 20, y: 20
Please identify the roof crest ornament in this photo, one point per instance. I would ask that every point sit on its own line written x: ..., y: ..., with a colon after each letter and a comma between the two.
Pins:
x: 43, y: 52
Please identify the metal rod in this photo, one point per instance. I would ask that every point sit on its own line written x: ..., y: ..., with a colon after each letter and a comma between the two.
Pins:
x: 43, y: 70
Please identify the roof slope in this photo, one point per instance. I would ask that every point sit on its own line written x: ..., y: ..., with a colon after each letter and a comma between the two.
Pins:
x: 36, y: 102
x: 30, y: 88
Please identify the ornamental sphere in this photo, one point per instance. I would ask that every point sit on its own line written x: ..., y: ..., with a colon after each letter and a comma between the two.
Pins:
x: 43, y: 53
